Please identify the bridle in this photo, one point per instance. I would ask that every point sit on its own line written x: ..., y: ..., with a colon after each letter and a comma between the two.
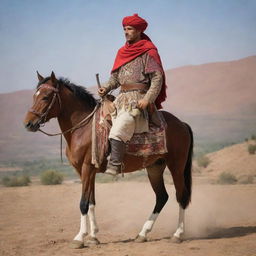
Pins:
x: 56, y: 95
x: 43, y: 116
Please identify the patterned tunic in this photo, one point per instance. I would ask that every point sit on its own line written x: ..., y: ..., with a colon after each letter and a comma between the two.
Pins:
x: 143, y: 69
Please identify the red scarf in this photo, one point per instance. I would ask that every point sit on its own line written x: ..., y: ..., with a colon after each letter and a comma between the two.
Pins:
x: 131, y: 51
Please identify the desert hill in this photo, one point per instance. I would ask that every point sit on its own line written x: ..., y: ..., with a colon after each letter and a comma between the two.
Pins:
x: 15, y: 142
x: 234, y: 160
x: 214, y: 89
x: 216, y: 99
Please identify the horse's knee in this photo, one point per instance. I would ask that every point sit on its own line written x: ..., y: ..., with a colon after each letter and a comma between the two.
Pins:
x: 84, y: 206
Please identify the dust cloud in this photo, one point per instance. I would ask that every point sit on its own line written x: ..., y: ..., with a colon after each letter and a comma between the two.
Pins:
x: 214, y: 209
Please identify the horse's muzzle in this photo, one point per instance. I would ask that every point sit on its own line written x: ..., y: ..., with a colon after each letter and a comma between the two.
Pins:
x: 32, y: 127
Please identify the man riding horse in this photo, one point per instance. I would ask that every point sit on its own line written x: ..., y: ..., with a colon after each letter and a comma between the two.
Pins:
x: 139, y: 72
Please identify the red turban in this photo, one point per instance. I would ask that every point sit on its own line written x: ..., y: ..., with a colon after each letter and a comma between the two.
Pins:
x: 136, y: 22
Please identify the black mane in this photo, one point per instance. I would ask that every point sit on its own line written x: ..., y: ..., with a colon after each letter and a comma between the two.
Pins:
x: 79, y: 91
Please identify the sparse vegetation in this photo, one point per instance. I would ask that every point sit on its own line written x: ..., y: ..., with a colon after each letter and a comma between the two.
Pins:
x: 251, y: 149
x: 227, y: 178
x: 51, y: 177
x: 253, y: 137
x: 203, y: 161
x: 196, y: 170
x: 14, y: 181
x: 246, y: 179
x: 36, y: 167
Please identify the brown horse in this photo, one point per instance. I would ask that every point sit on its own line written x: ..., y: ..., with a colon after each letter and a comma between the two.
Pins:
x: 71, y: 104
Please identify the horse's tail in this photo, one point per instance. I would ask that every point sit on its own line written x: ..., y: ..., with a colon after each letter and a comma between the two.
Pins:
x: 186, y: 195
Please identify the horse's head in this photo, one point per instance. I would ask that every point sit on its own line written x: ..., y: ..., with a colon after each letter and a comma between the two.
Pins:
x: 46, y: 103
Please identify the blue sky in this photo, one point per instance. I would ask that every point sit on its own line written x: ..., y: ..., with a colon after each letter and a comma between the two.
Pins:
x: 79, y: 38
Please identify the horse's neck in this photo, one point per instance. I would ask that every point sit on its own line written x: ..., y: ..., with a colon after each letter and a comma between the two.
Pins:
x: 72, y: 112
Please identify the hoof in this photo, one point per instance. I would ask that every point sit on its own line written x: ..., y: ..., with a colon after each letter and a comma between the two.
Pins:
x: 90, y: 241
x: 140, y: 239
x: 75, y: 244
x: 176, y: 240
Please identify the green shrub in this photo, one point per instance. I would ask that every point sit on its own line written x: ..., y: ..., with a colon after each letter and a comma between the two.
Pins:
x: 203, y: 161
x: 51, y: 177
x: 246, y: 179
x: 16, y: 181
x: 253, y: 137
x: 227, y: 178
x: 251, y: 149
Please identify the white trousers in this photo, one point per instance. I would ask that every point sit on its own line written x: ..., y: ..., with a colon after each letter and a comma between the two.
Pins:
x: 123, y: 126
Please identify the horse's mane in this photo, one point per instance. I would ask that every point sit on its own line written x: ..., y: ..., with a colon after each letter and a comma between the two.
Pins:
x: 79, y: 91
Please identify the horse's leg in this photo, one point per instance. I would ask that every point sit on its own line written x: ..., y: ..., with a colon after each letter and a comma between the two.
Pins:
x: 92, y: 219
x: 181, y: 195
x: 88, y: 179
x: 155, y: 174
x: 179, y: 163
x: 179, y: 233
x: 78, y: 241
x: 91, y: 239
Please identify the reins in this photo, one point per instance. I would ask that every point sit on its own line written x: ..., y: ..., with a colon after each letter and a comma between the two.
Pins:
x: 43, y: 116
x: 73, y: 128
x: 80, y: 124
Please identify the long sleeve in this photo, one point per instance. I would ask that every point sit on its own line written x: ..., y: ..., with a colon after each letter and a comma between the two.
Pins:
x: 112, y: 82
x: 156, y: 80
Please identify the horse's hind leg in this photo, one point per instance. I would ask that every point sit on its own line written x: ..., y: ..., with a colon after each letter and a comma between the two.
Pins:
x: 179, y: 233
x: 155, y: 174
x: 180, y: 168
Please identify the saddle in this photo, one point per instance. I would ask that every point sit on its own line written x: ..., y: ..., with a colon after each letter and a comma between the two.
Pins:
x: 141, y: 144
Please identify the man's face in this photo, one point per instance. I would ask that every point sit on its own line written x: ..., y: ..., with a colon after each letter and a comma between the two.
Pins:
x: 132, y: 35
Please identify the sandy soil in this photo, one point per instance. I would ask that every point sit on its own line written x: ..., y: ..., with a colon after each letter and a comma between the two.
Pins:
x: 42, y: 220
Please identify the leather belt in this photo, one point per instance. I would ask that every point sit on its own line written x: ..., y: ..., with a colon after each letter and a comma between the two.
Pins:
x: 132, y: 87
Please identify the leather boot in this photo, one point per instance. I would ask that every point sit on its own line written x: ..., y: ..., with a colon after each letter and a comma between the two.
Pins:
x: 116, y: 157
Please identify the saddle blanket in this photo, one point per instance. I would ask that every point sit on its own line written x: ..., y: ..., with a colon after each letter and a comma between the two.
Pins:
x: 141, y: 144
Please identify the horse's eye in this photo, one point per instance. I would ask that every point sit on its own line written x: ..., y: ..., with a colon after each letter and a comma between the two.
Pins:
x: 45, y: 98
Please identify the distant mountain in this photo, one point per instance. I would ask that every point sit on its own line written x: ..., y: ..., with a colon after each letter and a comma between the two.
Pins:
x: 217, y: 99
x: 15, y: 142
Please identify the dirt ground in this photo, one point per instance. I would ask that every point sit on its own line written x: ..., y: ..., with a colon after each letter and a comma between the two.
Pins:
x: 42, y: 220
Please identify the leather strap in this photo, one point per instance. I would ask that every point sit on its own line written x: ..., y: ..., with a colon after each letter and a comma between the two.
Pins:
x: 132, y: 87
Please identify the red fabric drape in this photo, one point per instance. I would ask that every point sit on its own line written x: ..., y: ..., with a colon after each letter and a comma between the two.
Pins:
x: 131, y: 51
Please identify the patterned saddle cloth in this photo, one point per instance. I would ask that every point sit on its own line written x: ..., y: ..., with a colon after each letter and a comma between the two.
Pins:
x: 141, y: 144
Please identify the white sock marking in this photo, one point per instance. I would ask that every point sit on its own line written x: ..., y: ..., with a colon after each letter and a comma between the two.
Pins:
x: 92, y: 219
x: 148, y: 225
x: 181, y: 226
x: 83, y: 229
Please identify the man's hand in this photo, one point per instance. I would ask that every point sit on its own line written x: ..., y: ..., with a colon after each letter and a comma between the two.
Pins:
x: 102, y: 91
x: 142, y: 104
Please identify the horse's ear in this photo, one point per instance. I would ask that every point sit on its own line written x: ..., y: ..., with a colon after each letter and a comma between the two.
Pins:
x: 53, y: 78
x: 40, y: 78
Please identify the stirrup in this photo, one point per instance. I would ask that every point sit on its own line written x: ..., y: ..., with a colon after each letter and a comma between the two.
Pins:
x: 113, y: 170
